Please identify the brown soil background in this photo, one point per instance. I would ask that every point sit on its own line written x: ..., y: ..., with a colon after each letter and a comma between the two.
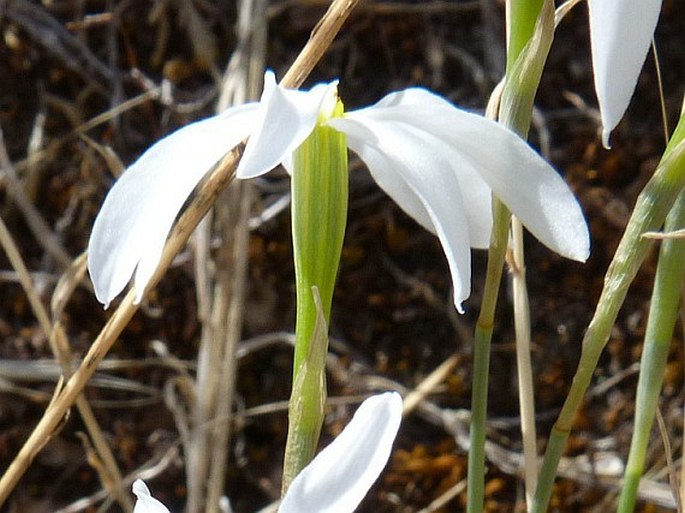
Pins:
x: 69, y: 61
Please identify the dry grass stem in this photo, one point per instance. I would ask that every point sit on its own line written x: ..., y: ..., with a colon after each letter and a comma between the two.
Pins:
x: 524, y: 366
x: 677, y: 234
x: 220, y: 285
x: 228, y: 315
x: 444, y: 499
x: 670, y: 465
x: 429, y: 384
x: 321, y: 38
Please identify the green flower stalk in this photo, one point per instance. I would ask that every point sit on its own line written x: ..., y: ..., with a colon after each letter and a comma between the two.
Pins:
x: 307, y: 401
x: 522, y: 16
x: 524, y: 70
x: 319, y: 216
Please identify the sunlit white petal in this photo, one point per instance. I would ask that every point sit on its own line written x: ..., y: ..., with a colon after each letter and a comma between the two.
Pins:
x: 340, y: 476
x: 146, y: 503
x: 287, y: 117
x: 135, y: 219
x: 415, y: 169
x: 439, y: 163
x: 621, y: 32
x: 517, y: 175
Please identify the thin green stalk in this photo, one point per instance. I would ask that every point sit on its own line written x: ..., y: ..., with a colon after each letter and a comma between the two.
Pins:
x: 522, y: 80
x: 663, y: 313
x: 651, y: 208
x: 524, y: 69
x: 481, y: 358
x: 319, y: 216
x: 305, y: 409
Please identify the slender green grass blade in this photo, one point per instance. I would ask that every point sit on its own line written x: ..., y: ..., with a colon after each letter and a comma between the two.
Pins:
x: 663, y: 313
x: 651, y: 208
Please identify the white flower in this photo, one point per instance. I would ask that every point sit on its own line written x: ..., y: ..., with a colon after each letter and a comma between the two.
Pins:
x: 340, y: 476
x: 439, y: 163
x: 621, y: 32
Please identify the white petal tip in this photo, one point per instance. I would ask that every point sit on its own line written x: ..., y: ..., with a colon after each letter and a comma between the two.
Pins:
x: 579, y: 245
x: 146, y: 502
x: 606, y: 139
x: 395, y: 401
x: 140, y: 488
x: 585, y: 255
x: 139, y: 295
x: 579, y: 252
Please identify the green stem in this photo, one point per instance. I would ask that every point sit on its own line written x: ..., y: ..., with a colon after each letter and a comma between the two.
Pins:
x: 651, y: 208
x: 663, y: 312
x: 523, y: 77
x: 523, y: 14
x: 481, y: 357
x: 319, y: 216
x: 307, y: 401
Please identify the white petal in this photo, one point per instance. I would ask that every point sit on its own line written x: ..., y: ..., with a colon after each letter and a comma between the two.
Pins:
x: 416, y: 170
x: 338, y: 478
x: 621, y: 32
x: 287, y: 117
x: 135, y: 219
x: 146, y: 503
x: 517, y: 175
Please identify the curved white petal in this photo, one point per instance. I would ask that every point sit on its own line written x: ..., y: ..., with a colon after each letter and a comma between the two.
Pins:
x: 416, y: 170
x: 287, y: 117
x: 146, y: 503
x: 338, y: 478
x: 621, y: 32
x: 135, y: 219
x: 517, y: 175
